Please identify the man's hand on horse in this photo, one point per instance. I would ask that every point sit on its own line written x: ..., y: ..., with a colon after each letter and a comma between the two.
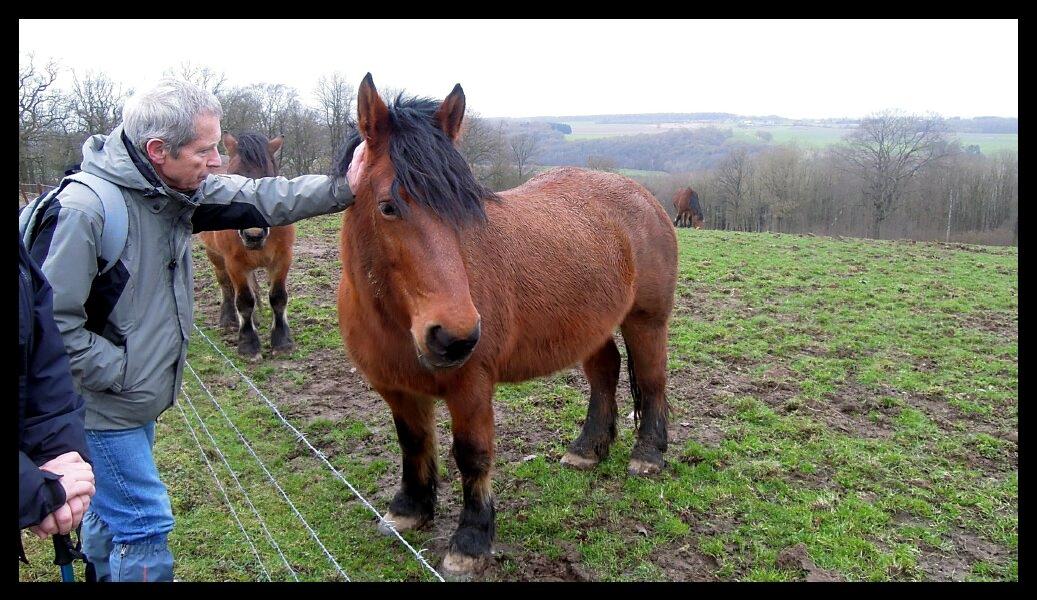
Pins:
x: 356, y: 166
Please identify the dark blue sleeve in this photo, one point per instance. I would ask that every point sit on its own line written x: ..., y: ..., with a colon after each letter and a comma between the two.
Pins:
x: 52, y: 413
x: 39, y: 492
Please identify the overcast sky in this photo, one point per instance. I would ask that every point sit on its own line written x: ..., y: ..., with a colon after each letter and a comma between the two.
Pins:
x: 516, y: 68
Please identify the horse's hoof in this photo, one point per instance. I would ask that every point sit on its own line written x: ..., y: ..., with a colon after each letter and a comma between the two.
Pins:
x: 461, y: 567
x: 284, y: 349
x: 258, y: 356
x: 401, y: 523
x: 578, y: 462
x: 640, y: 467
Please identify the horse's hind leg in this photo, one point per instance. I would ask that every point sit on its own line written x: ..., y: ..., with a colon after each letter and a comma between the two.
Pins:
x: 414, y: 504
x: 228, y: 315
x: 599, y: 430
x: 281, y: 335
x: 645, y: 339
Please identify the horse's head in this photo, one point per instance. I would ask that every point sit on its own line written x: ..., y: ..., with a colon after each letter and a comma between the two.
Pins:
x: 253, y: 156
x: 415, y: 196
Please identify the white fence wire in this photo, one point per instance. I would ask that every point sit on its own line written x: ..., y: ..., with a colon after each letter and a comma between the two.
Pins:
x: 387, y: 524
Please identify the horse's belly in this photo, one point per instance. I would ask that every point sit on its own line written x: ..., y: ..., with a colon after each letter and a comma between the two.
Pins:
x: 557, y: 343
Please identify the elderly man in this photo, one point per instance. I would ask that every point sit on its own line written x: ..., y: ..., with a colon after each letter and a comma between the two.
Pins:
x: 126, y: 329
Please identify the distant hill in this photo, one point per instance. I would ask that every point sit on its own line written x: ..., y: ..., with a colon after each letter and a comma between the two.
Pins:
x: 682, y: 142
x: 954, y: 124
x: 984, y: 125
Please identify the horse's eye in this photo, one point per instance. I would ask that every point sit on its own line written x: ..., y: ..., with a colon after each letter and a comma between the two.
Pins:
x: 387, y: 209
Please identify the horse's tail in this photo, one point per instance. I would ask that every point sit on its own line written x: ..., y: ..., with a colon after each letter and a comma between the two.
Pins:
x: 635, y: 390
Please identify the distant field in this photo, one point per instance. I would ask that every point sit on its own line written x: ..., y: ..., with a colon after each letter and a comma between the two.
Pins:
x: 635, y: 173
x: 814, y: 137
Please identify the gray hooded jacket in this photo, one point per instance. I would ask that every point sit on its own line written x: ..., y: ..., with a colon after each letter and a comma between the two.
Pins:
x: 126, y: 331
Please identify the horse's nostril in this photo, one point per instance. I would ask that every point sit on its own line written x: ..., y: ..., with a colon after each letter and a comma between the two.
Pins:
x: 448, y: 347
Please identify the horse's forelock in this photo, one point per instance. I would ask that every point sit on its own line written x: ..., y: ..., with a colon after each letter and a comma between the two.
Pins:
x: 254, y: 151
x: 427, y: 165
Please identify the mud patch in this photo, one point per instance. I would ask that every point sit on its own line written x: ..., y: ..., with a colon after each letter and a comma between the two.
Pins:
x: 797, y: 559
x: 966, y: 549
x: 682, y: 562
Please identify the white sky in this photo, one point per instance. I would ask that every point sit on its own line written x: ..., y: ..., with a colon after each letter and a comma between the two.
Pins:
x: 516, y: 68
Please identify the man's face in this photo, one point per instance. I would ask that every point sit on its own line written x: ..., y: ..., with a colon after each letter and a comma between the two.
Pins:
x: 197, y: 158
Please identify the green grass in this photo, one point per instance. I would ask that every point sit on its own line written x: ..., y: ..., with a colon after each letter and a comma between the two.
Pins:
x: 772, y: 338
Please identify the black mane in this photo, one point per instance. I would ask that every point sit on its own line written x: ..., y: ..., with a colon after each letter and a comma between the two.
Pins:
x: 254, y: 152
x: 427, y: 164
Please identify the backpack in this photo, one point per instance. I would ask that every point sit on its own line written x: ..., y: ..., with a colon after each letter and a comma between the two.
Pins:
x: 112, y: 207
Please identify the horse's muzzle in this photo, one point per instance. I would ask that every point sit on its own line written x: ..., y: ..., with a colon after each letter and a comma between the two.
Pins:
x: 251, y: 240
x: 447, y: 351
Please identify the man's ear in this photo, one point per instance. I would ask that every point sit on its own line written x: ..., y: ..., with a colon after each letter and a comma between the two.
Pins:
x: 156, y: 150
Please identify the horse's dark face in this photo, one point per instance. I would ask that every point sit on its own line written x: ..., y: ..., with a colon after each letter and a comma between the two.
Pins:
x: 254, y: 157
x: 413, y: 258
x: 254, y: 238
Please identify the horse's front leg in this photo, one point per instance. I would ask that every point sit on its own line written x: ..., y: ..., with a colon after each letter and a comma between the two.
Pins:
x: 228, y: 315
x: 280, y: 336
x: 414, y: 504
x: 245, y: 302
x: 471, y: 412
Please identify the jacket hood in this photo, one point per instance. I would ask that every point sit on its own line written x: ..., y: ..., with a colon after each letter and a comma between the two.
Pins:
x: 114, y: 158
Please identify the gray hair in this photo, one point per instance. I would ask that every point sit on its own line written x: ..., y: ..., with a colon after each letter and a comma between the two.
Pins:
x: 167, y: 112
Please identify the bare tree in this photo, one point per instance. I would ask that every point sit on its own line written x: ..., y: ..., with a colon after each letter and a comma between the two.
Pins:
x: 780, y: 178
x: 205, y: 77
x: 478, y: 139
x: 40, y: 109
x: 96, y: 103
x: 241, y: 109
x: 602, y: 163
x: 278, y: 101
x: 501, y: 172
x: 524, y: 148
x: 304, y: 150
x: 886, y: 152
x: 734, y: 181
x: 335, y: 97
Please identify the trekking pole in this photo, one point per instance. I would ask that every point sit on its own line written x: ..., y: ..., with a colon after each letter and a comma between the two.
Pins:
x: 64, y: 554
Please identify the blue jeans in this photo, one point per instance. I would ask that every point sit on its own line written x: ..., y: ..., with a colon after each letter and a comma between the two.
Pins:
x: 125, y: 530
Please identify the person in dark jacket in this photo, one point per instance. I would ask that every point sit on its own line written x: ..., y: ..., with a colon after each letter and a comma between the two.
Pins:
x: 55, y: 479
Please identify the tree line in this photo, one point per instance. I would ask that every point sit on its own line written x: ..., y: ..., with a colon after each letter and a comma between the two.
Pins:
x: 895, y: 175
x: 54, y: 123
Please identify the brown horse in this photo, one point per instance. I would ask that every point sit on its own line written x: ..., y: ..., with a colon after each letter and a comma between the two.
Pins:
x: 689, y: 213
x: 236, y: 254
x: 448, y: 289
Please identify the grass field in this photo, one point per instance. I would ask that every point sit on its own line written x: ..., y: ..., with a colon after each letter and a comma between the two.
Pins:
x: 842, y: 409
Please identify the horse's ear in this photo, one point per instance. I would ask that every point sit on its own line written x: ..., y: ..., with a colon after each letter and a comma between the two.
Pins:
x: 274, y: 146
x: 451, y: 113
x: 372, y: 114
x: 230, y: 143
